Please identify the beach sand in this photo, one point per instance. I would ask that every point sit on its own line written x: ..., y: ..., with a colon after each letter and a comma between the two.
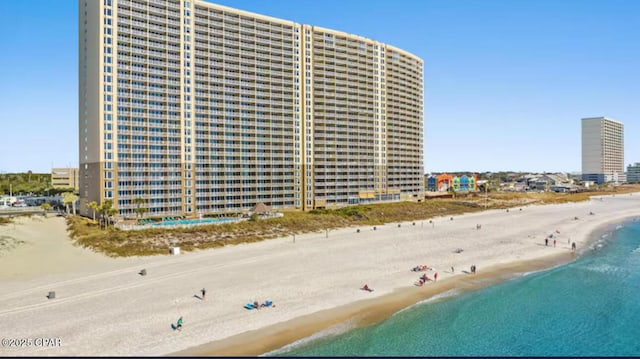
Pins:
x: 104, y: 307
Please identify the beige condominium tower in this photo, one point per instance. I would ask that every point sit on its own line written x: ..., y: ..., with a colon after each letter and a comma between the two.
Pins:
x: 202, y: 109
x: 602, y: 150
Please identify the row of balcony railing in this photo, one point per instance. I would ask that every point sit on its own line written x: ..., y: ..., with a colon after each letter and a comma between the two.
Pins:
x: 171, y: 101
x: 146, y: 60
x: 125, y: 43
x: 152, y: 116
x: 222, y: 41
x: 263, y: 63
x: 126, y: 50
x: 217, y: 99
x: 130, y: 180
x: 236, y: 25
x: 126, y: 85
x: 160, y: 4
x: 244, y: 103
x: 167, y: 141
x: 405, y: 87
x: 278, y: 86
x: 126, y: 169
x: 142, y: 12
x: 220, y: 38
x: 128, y: 33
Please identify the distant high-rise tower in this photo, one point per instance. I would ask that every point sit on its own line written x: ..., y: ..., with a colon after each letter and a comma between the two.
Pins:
x: 602, y: 150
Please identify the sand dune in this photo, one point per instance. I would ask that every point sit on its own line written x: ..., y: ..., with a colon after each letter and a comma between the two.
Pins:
x: 104, y: 307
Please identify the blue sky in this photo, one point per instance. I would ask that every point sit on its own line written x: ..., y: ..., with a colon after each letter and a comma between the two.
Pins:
x: 506, y: 82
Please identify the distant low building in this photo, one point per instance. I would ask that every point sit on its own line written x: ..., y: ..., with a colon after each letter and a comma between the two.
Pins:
x: 65, y: 178
x: 430, y: 183
x: 446, y: 182
x: 633, y: 173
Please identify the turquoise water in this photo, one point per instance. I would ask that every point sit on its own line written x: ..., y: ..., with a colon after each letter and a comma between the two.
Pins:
x: 192, y: 222
x: 590, y: 307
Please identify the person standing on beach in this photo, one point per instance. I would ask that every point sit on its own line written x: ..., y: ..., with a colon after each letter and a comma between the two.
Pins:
x: 435, y: 277
x: 546, y: 242
x: 179, y: 324
x: 204, y: 293
x: 573, y: 246
x: 554, y: 243
x: 452, y: 270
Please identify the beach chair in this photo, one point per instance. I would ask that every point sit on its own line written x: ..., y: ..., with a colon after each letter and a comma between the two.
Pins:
x: 267, y: 303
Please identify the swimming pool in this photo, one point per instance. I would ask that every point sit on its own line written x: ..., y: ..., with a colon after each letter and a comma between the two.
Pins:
x: 192, y: 222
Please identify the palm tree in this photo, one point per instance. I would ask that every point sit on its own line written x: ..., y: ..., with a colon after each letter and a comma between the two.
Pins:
x: 106, y: 212
x: 70, y: 198
x: 67, y: 199
x: 110, y: 213
x: 140, y: 210
x: 94, y: 206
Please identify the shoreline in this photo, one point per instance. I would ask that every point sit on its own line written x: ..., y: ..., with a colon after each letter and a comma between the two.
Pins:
x: 368, y: 312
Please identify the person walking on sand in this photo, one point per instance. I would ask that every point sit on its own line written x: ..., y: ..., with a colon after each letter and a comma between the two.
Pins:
x: 204, y: 293
x: 573, y: 246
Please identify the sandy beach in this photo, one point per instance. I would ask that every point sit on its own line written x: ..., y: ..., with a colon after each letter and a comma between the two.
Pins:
x: 103, y: 306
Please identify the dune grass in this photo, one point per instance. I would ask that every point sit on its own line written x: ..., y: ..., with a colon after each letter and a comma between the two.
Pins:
x: 119, y: 243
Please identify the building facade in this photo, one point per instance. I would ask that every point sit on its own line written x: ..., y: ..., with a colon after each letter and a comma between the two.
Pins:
x: 602, y: 150
x: 203, y: 109
x: 65, y: 178
x: 633, y: 173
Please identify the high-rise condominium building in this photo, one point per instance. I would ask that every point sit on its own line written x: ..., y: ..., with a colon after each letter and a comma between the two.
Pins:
x: 602, y: 150
x: 201, y: 108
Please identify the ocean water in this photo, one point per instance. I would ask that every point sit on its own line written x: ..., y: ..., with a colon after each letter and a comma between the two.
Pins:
x: 590, y: 307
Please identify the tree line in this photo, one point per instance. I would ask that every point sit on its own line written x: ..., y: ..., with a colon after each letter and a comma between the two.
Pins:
x: 38, y: 184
